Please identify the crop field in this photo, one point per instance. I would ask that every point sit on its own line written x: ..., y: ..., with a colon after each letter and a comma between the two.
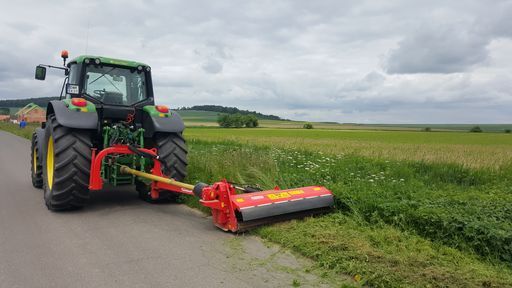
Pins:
x: 413, y: 209
x: 209, y: 119
x: 476, y: 150
x: 400, y: 221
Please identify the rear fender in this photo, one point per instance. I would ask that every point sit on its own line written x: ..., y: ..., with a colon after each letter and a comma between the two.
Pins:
x: 154, y: 121
x: 71, y: 116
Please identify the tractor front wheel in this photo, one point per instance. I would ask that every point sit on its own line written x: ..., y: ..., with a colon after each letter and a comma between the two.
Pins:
x: 67, y: 166
x: 172, y: 149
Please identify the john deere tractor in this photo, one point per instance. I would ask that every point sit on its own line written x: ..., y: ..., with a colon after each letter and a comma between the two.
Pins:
x: 105, y: 128
x: 104, y: 103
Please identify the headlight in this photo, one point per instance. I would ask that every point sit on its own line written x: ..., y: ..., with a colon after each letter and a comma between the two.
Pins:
x: 97, y: 61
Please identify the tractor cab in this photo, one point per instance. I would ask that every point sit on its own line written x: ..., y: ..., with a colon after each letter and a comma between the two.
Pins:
x: 117, y: 88
x: 107, y: 81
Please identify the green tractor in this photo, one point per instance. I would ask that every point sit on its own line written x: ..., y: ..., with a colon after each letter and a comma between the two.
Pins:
x: 104, y: 103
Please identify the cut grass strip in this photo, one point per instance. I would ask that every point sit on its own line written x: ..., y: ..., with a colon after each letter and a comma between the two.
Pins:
x: 384, y: 256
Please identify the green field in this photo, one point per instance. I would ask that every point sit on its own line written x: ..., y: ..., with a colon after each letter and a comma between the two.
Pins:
x: 209, y: 119
x: 397, y: 223
x: 478, y: 150
x: 413, y: 209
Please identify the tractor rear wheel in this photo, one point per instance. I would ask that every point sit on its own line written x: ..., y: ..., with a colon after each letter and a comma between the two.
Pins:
x: 36, y: 166
x: 67, y: 155
x: 172, y: 149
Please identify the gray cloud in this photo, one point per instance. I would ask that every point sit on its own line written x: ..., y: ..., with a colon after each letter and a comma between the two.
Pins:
x: 451, y: 39
x: 212, y: 66
x: 439, y: 49
x: 349, y: 61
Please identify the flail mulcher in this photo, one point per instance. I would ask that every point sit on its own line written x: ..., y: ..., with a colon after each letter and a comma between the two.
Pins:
x: 106, y: 129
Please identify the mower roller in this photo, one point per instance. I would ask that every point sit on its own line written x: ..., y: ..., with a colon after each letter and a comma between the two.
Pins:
x: 105, y: 128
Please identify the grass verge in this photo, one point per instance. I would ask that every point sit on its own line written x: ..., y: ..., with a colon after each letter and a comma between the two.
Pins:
x: 16, y: 130
x: 398, y: 223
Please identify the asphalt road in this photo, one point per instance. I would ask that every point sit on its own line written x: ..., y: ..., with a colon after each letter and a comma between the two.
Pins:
x: 120, y: 241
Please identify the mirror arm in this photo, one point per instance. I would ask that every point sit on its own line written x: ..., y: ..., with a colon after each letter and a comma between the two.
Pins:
x: 55, y: 67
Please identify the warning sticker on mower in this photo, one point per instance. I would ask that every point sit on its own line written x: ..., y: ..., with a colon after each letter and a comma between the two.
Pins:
x: 256, y: 197
x: 275, y: 196
x: 296, y: 192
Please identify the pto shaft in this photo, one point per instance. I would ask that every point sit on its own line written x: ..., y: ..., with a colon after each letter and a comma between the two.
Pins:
x: 127, y: 170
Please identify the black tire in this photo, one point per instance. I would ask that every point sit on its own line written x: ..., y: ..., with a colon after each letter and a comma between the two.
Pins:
x: 36, y: 167
x: 172, y: 148
x: 71, y: 166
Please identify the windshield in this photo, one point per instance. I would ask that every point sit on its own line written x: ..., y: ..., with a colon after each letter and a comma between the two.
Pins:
x: 115, y: 85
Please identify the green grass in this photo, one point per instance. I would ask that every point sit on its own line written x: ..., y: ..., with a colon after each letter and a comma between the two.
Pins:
x: 16, y: 130
x: 400, y: 220
x: 477, y: 150
x: 397, y: 223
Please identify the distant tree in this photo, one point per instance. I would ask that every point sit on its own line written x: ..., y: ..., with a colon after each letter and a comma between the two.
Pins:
x: 224, y: 120
x: 237, y: 121
x: 508, y: 131
x: 5, y: 111
x: 251, y: 121
x: 427, y: 129
x: 308, y: 126
x: 476, y: 129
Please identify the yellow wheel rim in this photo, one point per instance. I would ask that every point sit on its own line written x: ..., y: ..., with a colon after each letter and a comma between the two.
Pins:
x: 49, y: 163
x: 34, y: 161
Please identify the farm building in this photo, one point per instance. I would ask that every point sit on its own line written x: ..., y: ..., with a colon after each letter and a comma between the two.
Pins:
x: 31, y: 113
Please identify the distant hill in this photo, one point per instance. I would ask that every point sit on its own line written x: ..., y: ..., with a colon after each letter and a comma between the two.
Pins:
x: 41, y: 101
x: 231, y: 110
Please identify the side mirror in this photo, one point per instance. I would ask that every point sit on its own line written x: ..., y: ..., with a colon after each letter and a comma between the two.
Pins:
x: 40, y: 72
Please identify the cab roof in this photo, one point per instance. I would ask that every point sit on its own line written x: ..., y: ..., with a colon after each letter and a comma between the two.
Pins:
x: 80, y: 59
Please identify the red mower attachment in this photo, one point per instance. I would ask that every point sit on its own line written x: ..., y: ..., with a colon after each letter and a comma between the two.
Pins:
x: 237, y: 212
x: 233, y: 208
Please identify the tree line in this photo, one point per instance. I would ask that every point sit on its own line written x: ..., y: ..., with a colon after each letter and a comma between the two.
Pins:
x: 232, y: 110
x: 40, y: 101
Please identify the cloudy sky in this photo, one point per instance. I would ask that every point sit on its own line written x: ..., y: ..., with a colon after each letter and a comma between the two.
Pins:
x: 346, y: 61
